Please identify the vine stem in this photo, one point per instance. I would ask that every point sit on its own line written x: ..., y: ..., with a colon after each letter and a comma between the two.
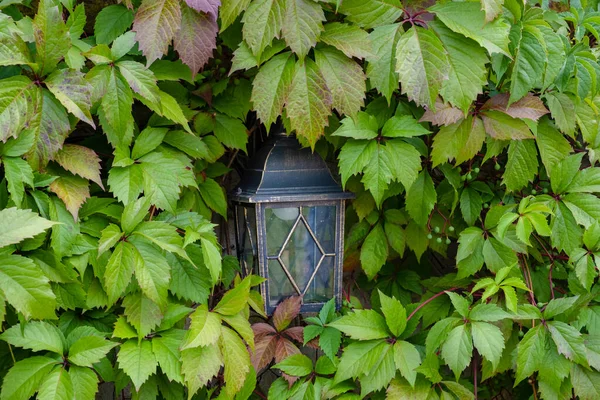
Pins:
x: 423, y: 304
x: 475, y: 363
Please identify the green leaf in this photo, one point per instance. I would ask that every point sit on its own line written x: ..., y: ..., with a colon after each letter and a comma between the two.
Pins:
x: 502, y: 126
x: 522, y: 165
x: 230, y: 10
x: 460, y: 304
x: 263, y: 20
x: 381, y: 66
x: 381, y: 374
x: 407, y: 359
x: 421, y: 198
x: 569, y: 341
x: 25, y: 377
x: 115, y: 110
x: 469, y: 20
x: 235, y: 299
x: 89, y: 350
x: 374, y: 251
x: 18, y: 225
x: 344, y: 78
x: 205, y: 328
x: 309, y: 102
x: 18, y: 98
x: 52, y: 40
x: 187, y: 281
x: 142, y: 313
x: 566, y: 234
x: 155, y: 24
x: 422, y: 65
x: 166, y: 351
x: 56, y: 385
x: 153, y: 273
x: 565, y: 172
x: 126, y: 183
x: 302, y: 25
x: 271, y: 87
x: 469, y: 257
x: 585, y: 382
x: 488, y: 340
x: 460, y: 141
x: 563, y: 111
x: 17, y: 173
x: 231, y: 132
x: 471, y: 205
x: 467, y: 74
x: 236, y: 359
x: 349, y: 39
x: 119, y: 270
x: 35, y: 335
x: 530, y: 352
x: 457, y: 349
x: 141, y: 80
x: 371, y: 13
x: 394, y: 313
x: 364, y: 126
x: 85, y: 383
x: 26, y: 288
x: 530, y: 60
x: 403, y: 126
x: 137, y: 360
x: 359, y: 358
x: 362, y: 325
x: 73, y: 91
x: 111, y: 22
x: 552, y: 145
x: 497, y: 255
x: 158, y: 170
x: 295, y: 365
x: 199, y: 365
x: 559, y: 306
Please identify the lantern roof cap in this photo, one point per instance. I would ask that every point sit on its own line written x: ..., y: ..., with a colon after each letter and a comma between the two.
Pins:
x: 281, y: 170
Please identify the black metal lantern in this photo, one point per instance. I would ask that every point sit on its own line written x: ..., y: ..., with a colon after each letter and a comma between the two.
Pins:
x: 289, y: 215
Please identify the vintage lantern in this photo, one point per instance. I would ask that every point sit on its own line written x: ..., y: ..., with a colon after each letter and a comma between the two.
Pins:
x: 289, y: 215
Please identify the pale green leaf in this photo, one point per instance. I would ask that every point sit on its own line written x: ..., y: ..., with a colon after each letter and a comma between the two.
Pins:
x: 17, y: 225
x: 362, y: 325
x: 422, y: 65
x: 137, y: 360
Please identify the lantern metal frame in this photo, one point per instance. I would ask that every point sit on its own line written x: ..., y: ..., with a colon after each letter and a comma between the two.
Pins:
x: 284, y: 175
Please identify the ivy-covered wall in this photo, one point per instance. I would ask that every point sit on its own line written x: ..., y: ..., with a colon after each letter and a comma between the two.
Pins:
x: 468, y: 131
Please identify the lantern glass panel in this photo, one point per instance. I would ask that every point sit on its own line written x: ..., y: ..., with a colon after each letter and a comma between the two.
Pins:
x: 301, y: 252
x: 247, y: 241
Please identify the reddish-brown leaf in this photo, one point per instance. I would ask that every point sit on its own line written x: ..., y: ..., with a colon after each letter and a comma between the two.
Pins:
x: 283, y: 350
x: 296, y: 333
x: 444, y: 114
x: 196, y: 39
x: 286, y: 311
x: 264, y: 351
x: 530, y: 106
x: 260, y: 329
x: 206, y: 6
x: 155, y: 24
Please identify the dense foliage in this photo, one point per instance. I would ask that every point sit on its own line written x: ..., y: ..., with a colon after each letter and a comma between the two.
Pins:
x: 469, y: 132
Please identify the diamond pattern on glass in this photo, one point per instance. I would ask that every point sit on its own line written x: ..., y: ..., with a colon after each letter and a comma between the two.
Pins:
x: 299, y: 253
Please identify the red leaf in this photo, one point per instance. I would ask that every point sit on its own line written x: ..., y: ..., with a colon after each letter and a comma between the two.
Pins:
x: 196, y: 39
x: 264, y: 351
x: 286, y: 311
x: 155, y: 24
x: 296, y: 333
